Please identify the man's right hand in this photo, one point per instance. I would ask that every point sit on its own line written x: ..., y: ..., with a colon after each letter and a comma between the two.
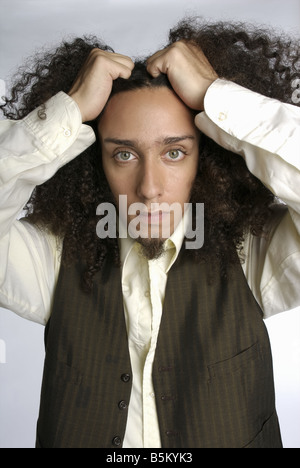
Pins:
x: 93, y: 84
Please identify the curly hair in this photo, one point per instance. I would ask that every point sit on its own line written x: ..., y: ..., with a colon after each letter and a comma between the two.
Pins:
x: 236, y: 202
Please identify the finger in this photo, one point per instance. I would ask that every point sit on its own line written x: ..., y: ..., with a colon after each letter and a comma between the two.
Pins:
x: 156, y: 55
x: 123, y: 59
x: 116, y: 65
x: 111, y: 56
x: 156, y: 64
x: 121, y: 71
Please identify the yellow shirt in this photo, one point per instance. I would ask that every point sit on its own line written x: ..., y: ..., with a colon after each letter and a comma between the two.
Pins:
x: 143, y: 285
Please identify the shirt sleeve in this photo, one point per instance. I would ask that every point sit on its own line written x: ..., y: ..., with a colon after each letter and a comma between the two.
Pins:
x: 31, y: 152
x: 266, y: 133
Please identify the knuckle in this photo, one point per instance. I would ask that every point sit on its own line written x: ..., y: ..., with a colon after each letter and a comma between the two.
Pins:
x: 95, y: 52
x: 101, y: 59
x: 175, y: 53
x: 180, y: 45
x: 132, y: 65
x: 100, y: 53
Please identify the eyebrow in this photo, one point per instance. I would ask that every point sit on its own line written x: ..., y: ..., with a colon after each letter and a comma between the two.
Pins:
x: 134, y: 143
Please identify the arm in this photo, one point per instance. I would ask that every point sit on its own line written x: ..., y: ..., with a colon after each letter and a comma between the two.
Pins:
x: 31, y: 151
x: 267, y: 134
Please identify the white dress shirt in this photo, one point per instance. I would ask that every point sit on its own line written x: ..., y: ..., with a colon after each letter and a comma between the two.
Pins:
x: 265, y: 132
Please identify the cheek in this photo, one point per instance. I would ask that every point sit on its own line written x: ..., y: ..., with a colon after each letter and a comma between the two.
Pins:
x: 118, y: 181
x: 182, y: 183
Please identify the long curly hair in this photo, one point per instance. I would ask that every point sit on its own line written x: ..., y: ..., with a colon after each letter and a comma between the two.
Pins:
x: 235, y: 201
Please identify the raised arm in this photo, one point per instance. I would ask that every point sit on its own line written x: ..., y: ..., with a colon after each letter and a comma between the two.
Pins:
x: 266, y: 133
x: 31, y: 151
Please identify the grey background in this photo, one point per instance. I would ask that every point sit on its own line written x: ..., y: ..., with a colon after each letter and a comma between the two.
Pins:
x: 135, y: 28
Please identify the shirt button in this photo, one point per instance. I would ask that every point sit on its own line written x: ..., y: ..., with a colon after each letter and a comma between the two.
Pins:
x: 125, y: 378
x: 117, y: 441
x: 147, y: 293
x: 222, y: 116
x: 67, y: 132
x: 122, y: 405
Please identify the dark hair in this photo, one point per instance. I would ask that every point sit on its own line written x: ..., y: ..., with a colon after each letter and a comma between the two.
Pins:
x: 235, y: 201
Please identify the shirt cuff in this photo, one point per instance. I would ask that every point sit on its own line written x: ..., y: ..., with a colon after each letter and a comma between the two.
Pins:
x: 251, y: 117
x: 58, y: 124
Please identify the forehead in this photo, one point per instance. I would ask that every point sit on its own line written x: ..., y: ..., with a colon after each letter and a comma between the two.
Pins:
x: 147, y: 112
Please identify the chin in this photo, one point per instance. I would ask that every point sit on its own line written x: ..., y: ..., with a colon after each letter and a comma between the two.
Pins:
x: 151, y: 249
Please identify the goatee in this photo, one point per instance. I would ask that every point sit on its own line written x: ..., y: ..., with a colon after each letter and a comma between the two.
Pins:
x: 151, y: 249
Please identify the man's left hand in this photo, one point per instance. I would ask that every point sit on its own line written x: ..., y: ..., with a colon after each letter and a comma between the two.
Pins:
x: 188, y: 71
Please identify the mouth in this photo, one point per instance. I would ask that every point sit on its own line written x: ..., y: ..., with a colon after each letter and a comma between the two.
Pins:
x: 154, y: 217
x: 151, y: 224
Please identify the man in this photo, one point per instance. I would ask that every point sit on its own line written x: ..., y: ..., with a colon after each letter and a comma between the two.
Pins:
x: 194, y: 368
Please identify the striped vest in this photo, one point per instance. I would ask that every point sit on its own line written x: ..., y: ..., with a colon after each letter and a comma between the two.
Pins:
x: 212, y: 371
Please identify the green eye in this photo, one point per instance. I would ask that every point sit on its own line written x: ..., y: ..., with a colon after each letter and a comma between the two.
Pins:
x: 123, y: 156
x: 175, y: 154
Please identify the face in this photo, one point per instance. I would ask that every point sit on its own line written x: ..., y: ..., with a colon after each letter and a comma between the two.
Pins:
x: 150, y: 154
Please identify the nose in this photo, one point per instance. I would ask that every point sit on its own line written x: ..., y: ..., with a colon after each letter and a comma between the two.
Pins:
x: 151, y: 181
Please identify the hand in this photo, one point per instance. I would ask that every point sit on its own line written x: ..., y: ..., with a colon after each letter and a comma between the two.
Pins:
x: 93, y: 84
x: 188, y: 71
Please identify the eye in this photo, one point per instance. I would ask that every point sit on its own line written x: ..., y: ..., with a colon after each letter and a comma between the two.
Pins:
x: 123, y: 156
x: 175, y: 155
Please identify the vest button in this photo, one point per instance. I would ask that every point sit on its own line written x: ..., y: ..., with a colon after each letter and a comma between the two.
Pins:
x: 122, y: 405
x: 125, y: 378
x: 117, y: 441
